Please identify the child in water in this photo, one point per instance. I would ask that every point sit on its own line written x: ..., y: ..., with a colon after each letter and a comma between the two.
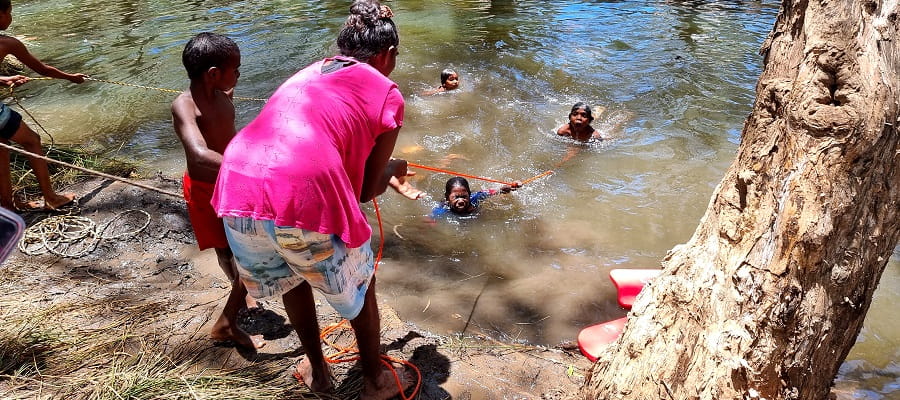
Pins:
x: 449, y: 81
x: 460, y: 200
x: 579, y: 126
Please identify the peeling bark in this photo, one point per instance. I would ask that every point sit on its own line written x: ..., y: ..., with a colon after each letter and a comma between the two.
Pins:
x: 768, y: 296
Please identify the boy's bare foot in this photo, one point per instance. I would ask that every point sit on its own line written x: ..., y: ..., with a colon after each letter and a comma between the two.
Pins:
x: 224, y: 332
x: 250, y: 302
x: 319, y: 384
x: 59, y: 200
x: 386, y: 385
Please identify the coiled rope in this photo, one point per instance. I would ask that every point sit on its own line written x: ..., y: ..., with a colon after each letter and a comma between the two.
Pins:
x: 60, y: 234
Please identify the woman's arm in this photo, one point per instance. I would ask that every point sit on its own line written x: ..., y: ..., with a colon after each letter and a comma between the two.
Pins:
x: 380, y: 167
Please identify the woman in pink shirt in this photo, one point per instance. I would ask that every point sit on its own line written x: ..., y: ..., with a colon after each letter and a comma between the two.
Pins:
x: 291, y: 184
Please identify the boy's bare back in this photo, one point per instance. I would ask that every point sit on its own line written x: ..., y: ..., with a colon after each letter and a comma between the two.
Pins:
x: 205, y: 124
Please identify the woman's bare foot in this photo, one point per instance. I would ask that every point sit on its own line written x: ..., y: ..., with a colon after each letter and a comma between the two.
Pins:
x: 386, y: 385
x: 58, y: 200
x: 223, y: 331
x: 317, y: 381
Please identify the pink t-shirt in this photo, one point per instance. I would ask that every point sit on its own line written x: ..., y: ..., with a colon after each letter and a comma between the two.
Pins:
x: 301, y: 161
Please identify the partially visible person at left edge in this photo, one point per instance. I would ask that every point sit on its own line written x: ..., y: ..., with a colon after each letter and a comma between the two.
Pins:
x: 13, y: 129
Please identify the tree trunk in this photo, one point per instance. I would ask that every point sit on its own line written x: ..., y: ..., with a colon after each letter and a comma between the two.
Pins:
x: 768, y: 296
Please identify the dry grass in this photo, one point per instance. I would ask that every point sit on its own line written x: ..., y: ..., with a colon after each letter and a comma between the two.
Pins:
x: 116, y: 348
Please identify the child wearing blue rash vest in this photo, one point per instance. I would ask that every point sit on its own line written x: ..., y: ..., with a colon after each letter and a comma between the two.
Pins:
x: 460, y: 200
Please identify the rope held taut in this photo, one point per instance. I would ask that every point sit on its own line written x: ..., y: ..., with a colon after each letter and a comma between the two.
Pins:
x: 444, y: 171
x: 90, y: 171
x: 161, y: 89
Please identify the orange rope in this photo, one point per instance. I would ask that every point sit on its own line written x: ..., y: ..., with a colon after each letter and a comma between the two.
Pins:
x: 434, y: 169
x: 536, y: 177
x: 457, y: 173
x: 380, y: 234
x: 385, y: 359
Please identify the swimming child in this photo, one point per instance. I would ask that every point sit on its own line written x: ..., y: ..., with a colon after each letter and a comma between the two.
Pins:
x: 203, y: 116
x: 579, y: 126
x: 449, y: 81
x: 13, y: 129
x: 460, y: 200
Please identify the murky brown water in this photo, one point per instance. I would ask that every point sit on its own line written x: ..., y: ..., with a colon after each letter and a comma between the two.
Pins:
x: 676, y: 79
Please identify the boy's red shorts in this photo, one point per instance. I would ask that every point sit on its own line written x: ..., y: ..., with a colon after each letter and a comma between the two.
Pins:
x: 208, y: 228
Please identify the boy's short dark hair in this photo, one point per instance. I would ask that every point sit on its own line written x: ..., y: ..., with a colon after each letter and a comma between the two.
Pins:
x: 445, y: 74
x: 206, y: 50
x: 587, y: 110
x: 5, y: 5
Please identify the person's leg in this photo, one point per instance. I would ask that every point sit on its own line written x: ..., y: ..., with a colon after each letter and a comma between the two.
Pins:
x: 229, y: 267
x: 301, y: 310
x: 30, y: 141
x: 378, y: 382
x: 226, y: 326
x: 367, y: 327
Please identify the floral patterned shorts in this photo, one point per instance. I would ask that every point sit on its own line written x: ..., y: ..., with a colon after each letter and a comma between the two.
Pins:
x: 275, y: 259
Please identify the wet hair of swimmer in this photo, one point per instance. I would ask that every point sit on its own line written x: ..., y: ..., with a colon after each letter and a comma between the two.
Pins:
x: 454, y: 182
x: 445, y: 74
x: 587, y: 110
x: 368, y: 31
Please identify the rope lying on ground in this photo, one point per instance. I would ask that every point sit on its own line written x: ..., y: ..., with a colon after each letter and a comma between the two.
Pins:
x: 90, y: 171
x: 59, y: 234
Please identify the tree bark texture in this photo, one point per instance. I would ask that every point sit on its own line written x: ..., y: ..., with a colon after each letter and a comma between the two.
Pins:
x: 768, y: 296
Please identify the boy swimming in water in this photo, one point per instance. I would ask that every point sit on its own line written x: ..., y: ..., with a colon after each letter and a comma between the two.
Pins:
x: 460, y: 200
x: 579, y: 126
x: 12, y: 129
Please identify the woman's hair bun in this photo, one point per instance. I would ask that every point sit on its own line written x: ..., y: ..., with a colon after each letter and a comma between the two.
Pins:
x: 364, y: 13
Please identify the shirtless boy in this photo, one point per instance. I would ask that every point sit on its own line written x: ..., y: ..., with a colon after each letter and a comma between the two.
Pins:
x: 12, y: 129
x: 204, y: 121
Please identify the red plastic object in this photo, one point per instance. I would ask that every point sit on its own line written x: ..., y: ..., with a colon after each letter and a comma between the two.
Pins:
x: 629, y: 283
x: 593, y: 339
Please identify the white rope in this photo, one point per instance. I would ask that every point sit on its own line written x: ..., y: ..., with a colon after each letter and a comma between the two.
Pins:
x: 61, y: 234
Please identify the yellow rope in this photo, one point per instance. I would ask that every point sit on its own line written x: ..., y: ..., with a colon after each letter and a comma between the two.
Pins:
x: 61, y: 233
x: 90, y: 171
x: 16, y: 99
x: 87, y: 170
x: 161, y: 89
x: 45, y: 78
